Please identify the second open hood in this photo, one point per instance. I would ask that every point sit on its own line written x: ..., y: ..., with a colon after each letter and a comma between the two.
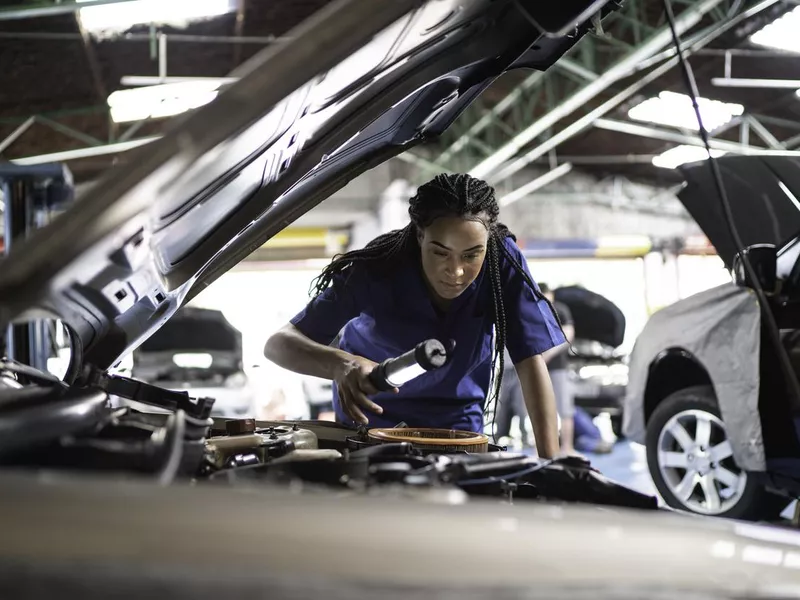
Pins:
x: 763, y: 192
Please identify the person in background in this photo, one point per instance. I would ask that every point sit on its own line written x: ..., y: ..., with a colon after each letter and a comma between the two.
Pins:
x: 578, y: 432
x: 511, y: 404
x: 558, y: 367
x: 588, y: 437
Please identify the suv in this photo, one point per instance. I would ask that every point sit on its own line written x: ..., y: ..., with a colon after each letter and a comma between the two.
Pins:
x: 706, y: 393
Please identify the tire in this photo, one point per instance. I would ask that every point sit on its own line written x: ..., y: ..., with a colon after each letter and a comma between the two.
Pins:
x: 690, y: 472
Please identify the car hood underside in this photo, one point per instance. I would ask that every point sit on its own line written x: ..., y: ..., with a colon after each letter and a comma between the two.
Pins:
x: 303, y: 119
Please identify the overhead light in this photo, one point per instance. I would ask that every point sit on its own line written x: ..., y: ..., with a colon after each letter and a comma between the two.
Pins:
x: 679, y: 155
x: 781, y: 34
x: 740, y: 82
x: 676, y: 110
x: 160, y: 101
x: 121, y: 16
x: 144, y: 80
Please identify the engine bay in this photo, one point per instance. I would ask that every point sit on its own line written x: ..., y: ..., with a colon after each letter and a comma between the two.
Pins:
x: 50, y: 426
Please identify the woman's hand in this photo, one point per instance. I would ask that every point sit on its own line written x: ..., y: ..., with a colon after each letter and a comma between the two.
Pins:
x: 352, y: 381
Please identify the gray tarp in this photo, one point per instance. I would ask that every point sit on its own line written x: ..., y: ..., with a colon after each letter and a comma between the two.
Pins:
x: 721, y: 328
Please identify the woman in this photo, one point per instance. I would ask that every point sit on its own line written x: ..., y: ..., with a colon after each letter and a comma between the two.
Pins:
x: 453, y: 272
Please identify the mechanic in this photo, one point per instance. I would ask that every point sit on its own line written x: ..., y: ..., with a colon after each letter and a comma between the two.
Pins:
x: 453, y: 272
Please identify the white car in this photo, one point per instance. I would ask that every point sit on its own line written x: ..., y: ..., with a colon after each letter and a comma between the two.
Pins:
x: 198, y: 351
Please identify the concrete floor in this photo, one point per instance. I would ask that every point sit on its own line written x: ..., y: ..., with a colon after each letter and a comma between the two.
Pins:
x: 627, y: 464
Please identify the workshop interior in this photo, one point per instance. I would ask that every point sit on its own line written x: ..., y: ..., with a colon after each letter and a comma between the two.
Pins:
x: 175, y: 175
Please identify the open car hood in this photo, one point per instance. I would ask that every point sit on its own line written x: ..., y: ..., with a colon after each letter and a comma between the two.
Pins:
x: 359, y: 82
x: 595, y: 317
x: 763, y: 193
x: 196, y: 344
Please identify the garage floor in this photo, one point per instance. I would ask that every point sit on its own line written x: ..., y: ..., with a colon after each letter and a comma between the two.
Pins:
x: 627, y: 464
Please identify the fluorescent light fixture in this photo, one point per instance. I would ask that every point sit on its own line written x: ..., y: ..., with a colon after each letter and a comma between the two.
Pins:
x: 739, y: 82
x: 124, y: 15
x: 679, y: 155
x: 193, y: 360
x: 676, y: 110
x: 160, y: 101
x: 145, y: 80
x: 781, y: 34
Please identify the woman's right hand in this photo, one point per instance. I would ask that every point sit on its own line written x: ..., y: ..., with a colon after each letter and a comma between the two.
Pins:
x: 353, y: 384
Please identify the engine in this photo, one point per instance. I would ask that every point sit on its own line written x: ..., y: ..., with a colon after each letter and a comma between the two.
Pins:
x: 48, y: 426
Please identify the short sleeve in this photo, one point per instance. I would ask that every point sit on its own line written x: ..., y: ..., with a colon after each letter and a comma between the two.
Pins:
x: 531, y: 326
x: 324, y: 317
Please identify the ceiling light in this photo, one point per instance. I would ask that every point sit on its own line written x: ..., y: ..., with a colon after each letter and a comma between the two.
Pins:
x: 679, y: 155
x: 676, y: 110
x: 160, y: 101
x: 122, y: 16
x: 781, y: 34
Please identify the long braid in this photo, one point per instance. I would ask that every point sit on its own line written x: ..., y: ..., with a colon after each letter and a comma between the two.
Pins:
x: 498, y: 356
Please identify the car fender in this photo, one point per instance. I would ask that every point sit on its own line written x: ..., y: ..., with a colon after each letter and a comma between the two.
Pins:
x: 720, y: 329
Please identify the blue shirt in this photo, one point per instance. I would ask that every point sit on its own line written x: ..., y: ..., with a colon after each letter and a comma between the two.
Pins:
x: 382, y: 315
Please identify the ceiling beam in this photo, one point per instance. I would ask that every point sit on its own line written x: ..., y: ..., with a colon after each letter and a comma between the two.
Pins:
x: 686, y: 20
x: 764, y: 133
x: 498, y: 109
x: 83, y: 152
x: 654, y: 133
x: 535, y: 184
x: 586, y: 120
x: 15, y: 135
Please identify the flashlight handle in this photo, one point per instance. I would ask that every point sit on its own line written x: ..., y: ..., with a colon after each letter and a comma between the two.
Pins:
x: 394, y: 372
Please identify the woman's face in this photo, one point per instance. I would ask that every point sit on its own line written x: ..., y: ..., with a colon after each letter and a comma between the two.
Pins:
x: 453, y: 251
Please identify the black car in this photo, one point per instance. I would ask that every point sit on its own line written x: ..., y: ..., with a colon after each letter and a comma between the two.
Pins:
x: 599, y: 371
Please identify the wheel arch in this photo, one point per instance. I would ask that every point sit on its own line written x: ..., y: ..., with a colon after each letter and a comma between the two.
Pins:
x: 672, y: 370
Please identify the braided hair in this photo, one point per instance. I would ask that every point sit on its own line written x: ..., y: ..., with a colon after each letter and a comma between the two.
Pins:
x: 446, y: 195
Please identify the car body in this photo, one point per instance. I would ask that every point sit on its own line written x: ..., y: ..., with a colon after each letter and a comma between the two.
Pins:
x: 200, y: 352
x: 166, y: 518
x: 705, y: 366
x: 598, y: 371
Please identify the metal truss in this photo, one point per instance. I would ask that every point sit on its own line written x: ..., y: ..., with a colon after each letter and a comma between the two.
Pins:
x: 603, y: 71
x: 119, y: 138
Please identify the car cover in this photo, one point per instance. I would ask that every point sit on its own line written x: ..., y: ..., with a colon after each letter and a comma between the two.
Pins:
x: 721, y: 329
x: 595, y: 317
